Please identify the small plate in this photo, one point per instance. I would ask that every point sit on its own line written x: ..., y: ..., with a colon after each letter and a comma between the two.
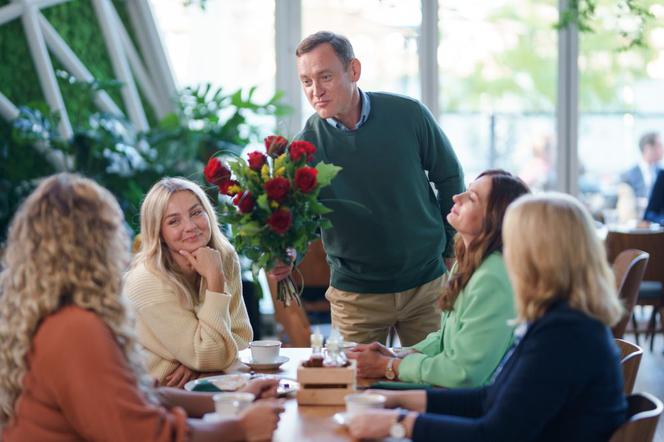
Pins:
x: 286, y: 387
x: 223, y: 382
x: 341, y: 418
x: 266, y: 365
x: 211, y: 417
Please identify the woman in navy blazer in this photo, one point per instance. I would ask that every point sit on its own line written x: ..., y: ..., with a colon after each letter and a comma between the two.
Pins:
x: 562, y: 379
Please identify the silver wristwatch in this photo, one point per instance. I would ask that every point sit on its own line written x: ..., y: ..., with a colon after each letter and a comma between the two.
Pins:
x: 398, y: 430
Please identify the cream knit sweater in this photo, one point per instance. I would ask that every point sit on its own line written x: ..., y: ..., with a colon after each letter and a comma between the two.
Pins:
x: 206, y: 337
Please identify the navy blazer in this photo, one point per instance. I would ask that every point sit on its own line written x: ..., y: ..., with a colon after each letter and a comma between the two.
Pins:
x: 561, y: 382
x: 655, y: 209
x: 634, y: 177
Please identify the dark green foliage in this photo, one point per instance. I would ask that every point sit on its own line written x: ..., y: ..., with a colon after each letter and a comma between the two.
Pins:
x: 108, y: 149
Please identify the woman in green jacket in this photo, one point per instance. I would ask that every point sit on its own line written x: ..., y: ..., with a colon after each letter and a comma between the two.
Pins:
x: 476, y: 303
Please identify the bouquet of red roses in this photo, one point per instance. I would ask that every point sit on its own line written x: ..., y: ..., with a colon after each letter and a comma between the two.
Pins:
x: 271, y: 203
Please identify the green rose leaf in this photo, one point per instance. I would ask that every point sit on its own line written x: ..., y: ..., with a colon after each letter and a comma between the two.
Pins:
x: 326, y: 172
x: 319, y: 208
x: 250, y: 228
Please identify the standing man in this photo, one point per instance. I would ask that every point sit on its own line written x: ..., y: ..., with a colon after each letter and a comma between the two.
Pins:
x: 641, y: 177
x: 386, y: 251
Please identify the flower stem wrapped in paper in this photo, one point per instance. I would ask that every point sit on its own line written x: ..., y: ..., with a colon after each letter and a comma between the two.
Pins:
x: 271, y: 203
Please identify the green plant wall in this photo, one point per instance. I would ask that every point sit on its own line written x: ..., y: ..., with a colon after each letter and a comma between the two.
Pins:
x: 76, y: 22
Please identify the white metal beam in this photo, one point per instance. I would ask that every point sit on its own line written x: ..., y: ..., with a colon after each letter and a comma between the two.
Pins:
x: 288, y: 30
x: 428, y: 55
x: 130, y: 96
x: 153, y: 53
x: 142, y: 77
x: 72, y: 63
x: 7, y: 109
x: 44, y: 67
x: 567, y: 109
x: 10, y: 12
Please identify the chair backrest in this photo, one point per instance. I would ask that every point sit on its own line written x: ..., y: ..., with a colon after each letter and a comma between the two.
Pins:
x: 651, y: 242
x: 643, y: 411
x: 628, y: 268
x: 630, y: 360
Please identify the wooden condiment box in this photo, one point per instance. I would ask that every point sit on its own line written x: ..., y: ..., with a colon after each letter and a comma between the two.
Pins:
x: 325, y: 385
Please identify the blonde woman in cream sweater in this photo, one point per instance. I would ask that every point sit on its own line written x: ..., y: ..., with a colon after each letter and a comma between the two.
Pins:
x: 185, y: 286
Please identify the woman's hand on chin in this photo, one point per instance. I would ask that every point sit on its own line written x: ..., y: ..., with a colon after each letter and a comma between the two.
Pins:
x: 206, y: 262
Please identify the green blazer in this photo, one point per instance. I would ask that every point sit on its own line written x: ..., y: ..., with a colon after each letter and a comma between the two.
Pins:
x: 473, y: 337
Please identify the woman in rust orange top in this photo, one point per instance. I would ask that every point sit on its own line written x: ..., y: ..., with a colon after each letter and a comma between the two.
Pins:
x: 69, y: 364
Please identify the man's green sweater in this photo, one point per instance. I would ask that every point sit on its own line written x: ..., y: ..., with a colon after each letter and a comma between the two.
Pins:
x: 394, y: 235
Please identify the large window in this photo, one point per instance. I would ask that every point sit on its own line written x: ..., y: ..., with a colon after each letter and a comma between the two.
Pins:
x: 229, y: 44
x: 497, y: 66
x: 384, y: 36
x: 621, y: 97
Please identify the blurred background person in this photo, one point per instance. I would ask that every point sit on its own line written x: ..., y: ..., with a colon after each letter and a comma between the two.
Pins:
x: 641, y: 177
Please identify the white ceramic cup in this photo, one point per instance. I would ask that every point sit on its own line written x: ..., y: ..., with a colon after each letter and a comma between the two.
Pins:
x: 359, y: 402
x: 232, y: 403
x: 264, y: 352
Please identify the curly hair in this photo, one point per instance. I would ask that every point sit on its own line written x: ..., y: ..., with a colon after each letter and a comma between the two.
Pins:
x: 154, y: 253
x: 505, y: 188
x: 67, y: 245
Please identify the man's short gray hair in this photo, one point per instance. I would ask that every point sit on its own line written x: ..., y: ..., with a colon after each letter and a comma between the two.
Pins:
x: 649, y: 138
x: 339, y: 43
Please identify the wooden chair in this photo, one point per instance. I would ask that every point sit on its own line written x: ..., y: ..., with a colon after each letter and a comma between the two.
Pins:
x: 315, y: 272
x: 643, y: 411
x: 651, y: 291
x: 628, y: 268
x: 630, y: 360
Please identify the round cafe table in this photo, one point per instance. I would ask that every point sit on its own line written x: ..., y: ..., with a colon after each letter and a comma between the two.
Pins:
x: 302, y: 422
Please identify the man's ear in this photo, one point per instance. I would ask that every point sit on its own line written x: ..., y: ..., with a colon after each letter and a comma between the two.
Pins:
x: 355, y: 69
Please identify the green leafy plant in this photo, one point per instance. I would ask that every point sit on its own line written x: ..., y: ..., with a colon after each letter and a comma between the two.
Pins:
x: 108, y: 149
x: 583, y: 13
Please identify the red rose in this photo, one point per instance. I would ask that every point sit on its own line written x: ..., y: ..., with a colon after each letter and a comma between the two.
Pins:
x: 280, y: 221
x: 277, y: 188
x: 275, y: 145
x: 216, y: 172
x: 244, y: 201
x: 305, y: 179
x: 225, y: 185
x: 256, y: 160
x: 300, y: 148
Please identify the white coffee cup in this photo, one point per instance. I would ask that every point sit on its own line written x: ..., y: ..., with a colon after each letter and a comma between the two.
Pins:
x: 232, y: 403
x: 359, y: 402
x: 264, y: 352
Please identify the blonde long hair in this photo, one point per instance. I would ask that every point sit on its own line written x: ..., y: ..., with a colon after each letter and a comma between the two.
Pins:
x: 154, y: 253
x: 553, y: 253
x: 67, y: 245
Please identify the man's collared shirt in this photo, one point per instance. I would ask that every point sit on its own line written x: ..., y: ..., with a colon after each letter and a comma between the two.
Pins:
x: 364, y: 114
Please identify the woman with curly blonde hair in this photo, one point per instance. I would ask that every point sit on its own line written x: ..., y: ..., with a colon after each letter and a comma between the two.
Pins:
x: 70, y: 368
x: 185, y: 285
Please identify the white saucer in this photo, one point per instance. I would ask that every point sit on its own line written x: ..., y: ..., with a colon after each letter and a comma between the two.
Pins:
x: 222, y: 382
x: 266, y: 365
x: 211, y: 417
x: 341, y: 418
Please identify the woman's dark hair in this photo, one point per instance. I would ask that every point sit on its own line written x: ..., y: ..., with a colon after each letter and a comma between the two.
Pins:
x: 505, y: 188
